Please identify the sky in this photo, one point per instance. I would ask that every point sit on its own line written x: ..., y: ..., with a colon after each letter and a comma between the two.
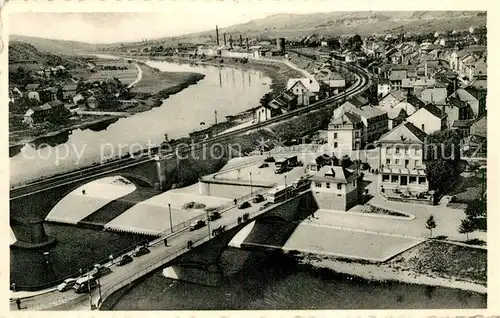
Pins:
x: 176, y: 18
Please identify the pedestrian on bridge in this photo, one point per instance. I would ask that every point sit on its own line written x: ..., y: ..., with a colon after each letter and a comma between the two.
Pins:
x: 235, y: 202
x: 165, y: 242
x: 18, y: 303
x: 239, y: 220
x: 83, y: 191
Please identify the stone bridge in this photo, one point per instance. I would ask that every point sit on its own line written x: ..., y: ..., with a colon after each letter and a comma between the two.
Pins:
x: 36, y: 200
x: 273, y: 227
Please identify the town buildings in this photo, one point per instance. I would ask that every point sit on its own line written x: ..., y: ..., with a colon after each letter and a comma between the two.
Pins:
x: 429, y: 119
x: 336, y: 188
x: 401, y: 159
x: 306, y: 90
x: 345, y: 132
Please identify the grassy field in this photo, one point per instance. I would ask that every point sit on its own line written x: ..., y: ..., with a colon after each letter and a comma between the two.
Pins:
x: 126, y: 76
x: 467, y: 189
x: 446, y: 260
x: 166, y: 83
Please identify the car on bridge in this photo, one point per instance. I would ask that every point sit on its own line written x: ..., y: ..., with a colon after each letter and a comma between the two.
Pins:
x: 66, y: 284
x: 197, y: 225
x: 125, y: 259
x: 99, y: 271
x: 140, y: 250
x: 244, y: 205
x: 258, y: 198
x: 214, y: 216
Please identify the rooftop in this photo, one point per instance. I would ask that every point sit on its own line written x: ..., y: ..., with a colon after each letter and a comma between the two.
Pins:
x: 404, y: 133
x: 335, y: 174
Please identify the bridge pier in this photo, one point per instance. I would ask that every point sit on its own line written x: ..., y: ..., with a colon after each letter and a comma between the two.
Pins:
x: 208, y: 276
x: 161, y: 173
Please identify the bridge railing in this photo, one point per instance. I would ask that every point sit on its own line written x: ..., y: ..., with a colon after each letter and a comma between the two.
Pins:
x: 221, y: 209
x: 163, y: 259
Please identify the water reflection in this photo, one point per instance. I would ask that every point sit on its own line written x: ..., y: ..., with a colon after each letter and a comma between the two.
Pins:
x: 51, y: 141
x: 177, y: 116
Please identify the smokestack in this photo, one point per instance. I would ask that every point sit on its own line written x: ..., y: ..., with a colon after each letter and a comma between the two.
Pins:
x: 241, y: 41
x: 217, y: 34
x: 247, y: 43
x: 230, y: 40
x: 224, y: 39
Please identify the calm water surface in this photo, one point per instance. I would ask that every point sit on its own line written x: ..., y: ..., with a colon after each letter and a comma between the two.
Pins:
x: 224, y: 89
x: 256, y: 281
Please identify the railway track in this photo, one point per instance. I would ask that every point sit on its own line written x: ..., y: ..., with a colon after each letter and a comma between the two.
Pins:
x: 362, y: 82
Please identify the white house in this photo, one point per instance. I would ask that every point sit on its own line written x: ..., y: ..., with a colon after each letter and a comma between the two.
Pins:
x: 401, y: 159
x: 306, y: 90
x: 383, y: 87
x: 336, y: 188
x: 34, y: 95
x: 428, y: 119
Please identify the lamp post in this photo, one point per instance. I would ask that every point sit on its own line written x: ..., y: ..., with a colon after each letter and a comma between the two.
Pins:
x: 286, y: 191
x: 170, y: 215
x: 251, y: 186
x: 208, y: 224
x: 90, y: 291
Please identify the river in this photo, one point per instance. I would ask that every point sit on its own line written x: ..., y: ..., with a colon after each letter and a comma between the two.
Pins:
x: 258, y: 281
x: 227, y: 90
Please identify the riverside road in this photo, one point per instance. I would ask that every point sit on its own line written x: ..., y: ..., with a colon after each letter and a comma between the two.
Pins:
x: 177, y: 241
x: 362, y: 83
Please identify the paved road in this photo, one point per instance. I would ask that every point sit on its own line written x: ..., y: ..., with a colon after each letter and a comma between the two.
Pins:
x: 54, y: 181
x: 71, y: 301
x: 139, y: 76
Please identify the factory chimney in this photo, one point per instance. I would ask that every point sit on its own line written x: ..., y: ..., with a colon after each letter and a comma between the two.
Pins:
x: 247, y: 43
x: 217, y: 34
x: 224, y: 39
x: 241, y: 42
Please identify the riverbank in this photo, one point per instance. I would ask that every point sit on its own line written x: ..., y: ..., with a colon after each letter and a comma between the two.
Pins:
x: 431, y: 263
x: 273, y: 281
x: 20, y: 138
x: 150, y: 90
x: 278, y: 72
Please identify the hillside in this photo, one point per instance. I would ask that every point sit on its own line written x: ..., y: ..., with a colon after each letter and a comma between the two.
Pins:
x: 57, y: 46
x: 292, y: 26
x: 26, y: 54
x: 348, y: 23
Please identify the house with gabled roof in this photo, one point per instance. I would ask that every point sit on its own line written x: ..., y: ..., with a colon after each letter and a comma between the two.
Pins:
x: 429, y: 119
x: 306, y: 89
x: 396, y: 113
x: 336, y: 188
x: 474, y: 97
x: 456, y: 109
x: 401, y: 155
x: 392, y: 99
x: 69, y: 91
x: 345, y: 132
x: 286, y: 100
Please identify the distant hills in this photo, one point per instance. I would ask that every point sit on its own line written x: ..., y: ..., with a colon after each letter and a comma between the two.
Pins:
x: 57, y: 46
x: 27, y: 55
x: 349, y: 23
x: 298, y: 25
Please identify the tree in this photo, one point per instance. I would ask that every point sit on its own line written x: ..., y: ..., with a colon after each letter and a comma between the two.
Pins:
x: 466, y: 227
x: 430, y: 224
x: 475, y: 209
x: 442, y: 159
x: 266, y: 99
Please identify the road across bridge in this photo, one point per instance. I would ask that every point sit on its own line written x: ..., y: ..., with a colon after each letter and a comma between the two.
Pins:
x: 177, y: 253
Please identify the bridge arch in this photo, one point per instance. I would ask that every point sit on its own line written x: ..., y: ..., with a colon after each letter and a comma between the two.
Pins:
x: 136, y: 179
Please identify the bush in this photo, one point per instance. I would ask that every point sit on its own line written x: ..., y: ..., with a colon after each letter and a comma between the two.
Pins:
x: 193, y: 205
